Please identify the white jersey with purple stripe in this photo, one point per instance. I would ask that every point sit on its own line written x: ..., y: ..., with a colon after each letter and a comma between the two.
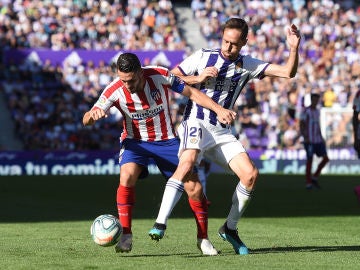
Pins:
x: 226, y: 87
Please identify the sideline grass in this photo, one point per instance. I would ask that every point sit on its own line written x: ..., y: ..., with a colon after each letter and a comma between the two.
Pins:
x: 45, y: 224
x: 276, y: 243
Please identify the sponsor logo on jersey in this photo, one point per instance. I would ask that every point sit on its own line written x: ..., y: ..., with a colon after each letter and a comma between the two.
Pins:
x: 143, y: 114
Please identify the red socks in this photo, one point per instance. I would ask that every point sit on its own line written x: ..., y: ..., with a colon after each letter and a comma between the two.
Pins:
x: 125, y: 202
x: 200, y: 211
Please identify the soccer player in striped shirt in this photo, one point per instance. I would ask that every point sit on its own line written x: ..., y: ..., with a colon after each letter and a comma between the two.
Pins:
x: 314, y: 142
x: 142, y: 96
x: 222, y: 74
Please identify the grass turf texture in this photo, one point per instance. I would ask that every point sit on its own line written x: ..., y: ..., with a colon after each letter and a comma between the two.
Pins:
x: 45, y: 223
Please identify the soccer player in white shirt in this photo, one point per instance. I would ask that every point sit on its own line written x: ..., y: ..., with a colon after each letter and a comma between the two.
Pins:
x: 222, y: 74
x: 141, y: 94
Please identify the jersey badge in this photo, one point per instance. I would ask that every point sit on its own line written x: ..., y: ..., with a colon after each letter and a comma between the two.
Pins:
x: 155, y: 94
x: 102, y: 100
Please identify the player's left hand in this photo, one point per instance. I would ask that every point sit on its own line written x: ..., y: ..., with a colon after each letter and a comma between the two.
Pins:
x: 293, y: 36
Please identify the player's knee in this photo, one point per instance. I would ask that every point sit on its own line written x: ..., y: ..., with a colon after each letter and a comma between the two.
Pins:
x: 194, y: 190
x: 186, y: 166
x: 249, y: 179
x: 127, y: 179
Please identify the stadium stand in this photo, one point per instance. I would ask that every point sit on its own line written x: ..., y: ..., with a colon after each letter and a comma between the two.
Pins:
x: 41, y: 99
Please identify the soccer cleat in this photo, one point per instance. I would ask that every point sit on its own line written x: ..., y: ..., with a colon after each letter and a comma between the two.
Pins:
x: 205, y: 246
x: 309, y: 186
x: 157, y: 232
x: 233, y: 238
x: 124, y: 244
x: 315, y: 182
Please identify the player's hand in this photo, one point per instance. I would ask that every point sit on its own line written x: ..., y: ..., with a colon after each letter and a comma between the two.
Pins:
x: 225, y: 116
x: 97, y: 114
x: 92, y: 116
x: 208, y: 72
x: 293, y: 37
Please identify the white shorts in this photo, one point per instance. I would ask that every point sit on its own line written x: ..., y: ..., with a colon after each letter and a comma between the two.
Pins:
x: 215, y: 143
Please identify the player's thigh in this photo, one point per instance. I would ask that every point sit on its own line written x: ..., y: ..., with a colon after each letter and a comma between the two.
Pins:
x: 166, y: 158
x: 224, y: 152
x: 131, y: 153
x: 320, y: 149
x: 193, y: 135
x: 187, y: 161
x: 129, y: 173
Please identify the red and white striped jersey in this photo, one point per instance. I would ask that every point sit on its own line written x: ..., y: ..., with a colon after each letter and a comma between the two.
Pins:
x: 311, y: 118
x: 146, y: 115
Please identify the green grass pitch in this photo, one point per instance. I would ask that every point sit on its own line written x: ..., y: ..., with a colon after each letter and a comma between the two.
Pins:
x: 45, y: 224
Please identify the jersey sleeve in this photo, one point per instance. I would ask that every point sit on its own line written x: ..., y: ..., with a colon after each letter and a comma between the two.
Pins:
x: 187, y: 67
x: 176, y: 83
x: 255, y: 66
x: 103, y: 103
x: 106, y: 99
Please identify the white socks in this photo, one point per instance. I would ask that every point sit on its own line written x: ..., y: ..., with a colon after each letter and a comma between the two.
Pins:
x: 240, y: 200
x: 172, y: 194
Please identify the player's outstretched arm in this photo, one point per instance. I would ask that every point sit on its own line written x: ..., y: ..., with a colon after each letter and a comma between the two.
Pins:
x: 290, y: 68
x: 208, y: 72
x: 90, y: 117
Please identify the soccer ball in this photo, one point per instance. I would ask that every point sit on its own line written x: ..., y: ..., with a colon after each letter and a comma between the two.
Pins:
x: 106, y: 230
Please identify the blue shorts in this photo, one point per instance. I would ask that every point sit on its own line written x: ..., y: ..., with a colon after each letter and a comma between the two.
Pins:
x: 318, y: 149
x: 163, y: 153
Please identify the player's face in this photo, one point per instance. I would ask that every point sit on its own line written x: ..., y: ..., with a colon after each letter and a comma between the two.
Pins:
x: 132, y: 80
x: 231, y: 44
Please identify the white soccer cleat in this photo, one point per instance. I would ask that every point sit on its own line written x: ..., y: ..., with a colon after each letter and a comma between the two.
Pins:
x: 206, y: 247
x: 125, y: 243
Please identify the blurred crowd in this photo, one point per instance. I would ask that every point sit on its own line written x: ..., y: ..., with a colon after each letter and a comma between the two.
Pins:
x: 47, y: 102
x: 329, y: 64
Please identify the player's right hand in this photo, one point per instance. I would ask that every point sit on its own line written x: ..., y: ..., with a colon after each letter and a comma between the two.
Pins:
x: 208, y: 72
x: 97, y: 114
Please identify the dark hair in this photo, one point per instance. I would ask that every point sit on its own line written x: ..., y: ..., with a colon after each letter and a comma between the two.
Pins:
x: 237, y: 23
x: 128, y: 62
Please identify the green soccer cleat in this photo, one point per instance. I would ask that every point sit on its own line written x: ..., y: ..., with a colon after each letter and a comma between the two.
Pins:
x: 157, y: 232
x: 233, y: 238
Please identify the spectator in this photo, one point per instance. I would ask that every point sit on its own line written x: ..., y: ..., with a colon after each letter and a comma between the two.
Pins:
x: 329, y: 54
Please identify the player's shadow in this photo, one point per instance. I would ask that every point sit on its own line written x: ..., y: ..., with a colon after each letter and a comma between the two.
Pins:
x: 304, y: 249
